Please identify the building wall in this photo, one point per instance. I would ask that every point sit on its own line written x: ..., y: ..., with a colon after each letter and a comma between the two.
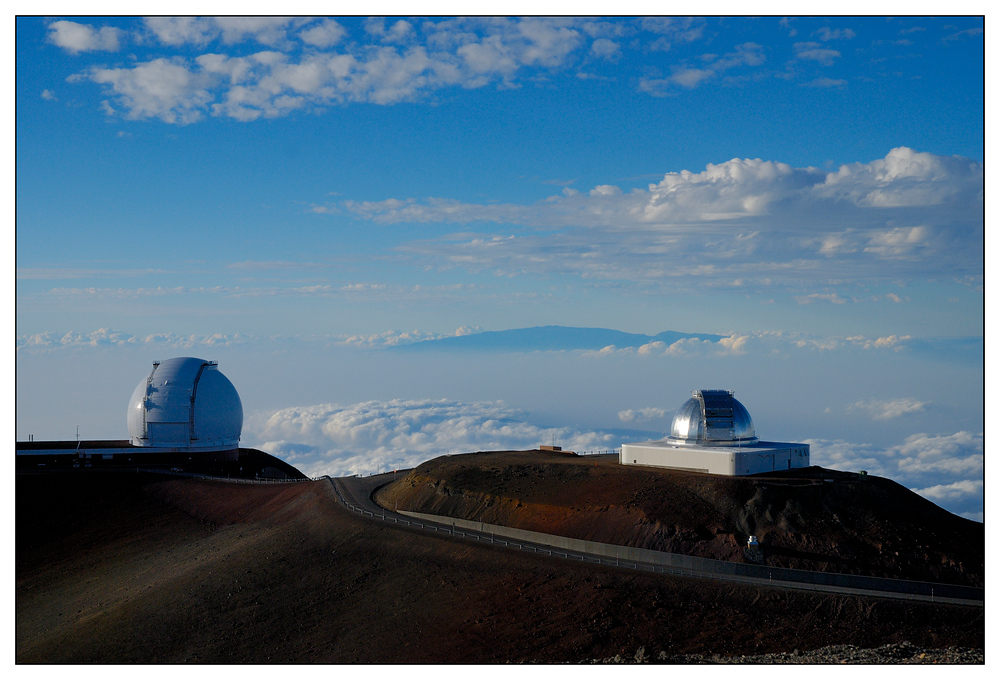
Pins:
x: 122, y: 451
x: 694, y: 459
x: 718, y: 460
x: 751, y: 462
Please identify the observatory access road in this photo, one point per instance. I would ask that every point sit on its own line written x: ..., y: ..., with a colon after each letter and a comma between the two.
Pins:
x: 356, y: 493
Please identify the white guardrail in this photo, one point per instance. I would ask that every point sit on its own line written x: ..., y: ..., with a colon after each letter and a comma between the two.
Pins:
x: 591, y: 552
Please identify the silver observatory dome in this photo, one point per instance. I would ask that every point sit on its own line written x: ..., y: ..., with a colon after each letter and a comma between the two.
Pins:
x: 712, y: 418
x: 185, y: 402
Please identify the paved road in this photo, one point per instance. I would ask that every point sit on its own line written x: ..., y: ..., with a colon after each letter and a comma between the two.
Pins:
x: 356, y: 493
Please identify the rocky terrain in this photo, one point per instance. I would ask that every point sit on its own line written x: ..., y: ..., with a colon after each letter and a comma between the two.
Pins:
x: 899, y: 653
x: 816, y: 519
x: 118, y: 567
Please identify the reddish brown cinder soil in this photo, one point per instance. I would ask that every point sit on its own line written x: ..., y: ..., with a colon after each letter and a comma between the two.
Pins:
x: 124, y: 568
x: 813, y: 518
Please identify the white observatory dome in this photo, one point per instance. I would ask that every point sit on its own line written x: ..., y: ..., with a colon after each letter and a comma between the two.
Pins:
x: 185, y: 402
x: 712, y: 417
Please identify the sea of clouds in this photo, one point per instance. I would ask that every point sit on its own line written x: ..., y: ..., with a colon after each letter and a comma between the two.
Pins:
x: 374, y: 436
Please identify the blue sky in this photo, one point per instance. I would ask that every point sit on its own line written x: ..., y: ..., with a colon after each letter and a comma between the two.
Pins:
x: 291, y: 197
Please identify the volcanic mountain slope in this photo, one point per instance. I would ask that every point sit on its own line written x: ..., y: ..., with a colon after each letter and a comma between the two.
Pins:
x: 126, y: 568
x: 816, y: 519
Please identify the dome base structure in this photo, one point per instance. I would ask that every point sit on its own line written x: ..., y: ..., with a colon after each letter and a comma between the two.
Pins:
x: 713, y: 433
x: 717, y: 460
x: 185, y: 404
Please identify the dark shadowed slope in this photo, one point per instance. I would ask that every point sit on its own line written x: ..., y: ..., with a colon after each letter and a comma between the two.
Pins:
x: 125, y: 568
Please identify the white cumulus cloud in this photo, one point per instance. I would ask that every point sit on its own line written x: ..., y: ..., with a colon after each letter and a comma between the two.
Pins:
x: 384, y: 435
x: 606, y: 49
x: 405, y: 63
x: 76, y: 38
x: 744, y: 222
x: 689, y: 76
x: 388, y: 61
x: 826, y: 33
x: 326, y: 34
x: 905, y: 178
x: 813, y: 51
x: 390, y: 338
x: 953, y: 491
x: 894, y: 342
x: 959, y: 453
x: 641, y: 415
x: 162, y: 88
x: 888, y: 409
x: 203, y: 30
x: 106, y: 337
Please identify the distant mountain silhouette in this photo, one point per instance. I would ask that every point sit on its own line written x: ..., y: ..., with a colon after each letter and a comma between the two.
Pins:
x: 542, y: 338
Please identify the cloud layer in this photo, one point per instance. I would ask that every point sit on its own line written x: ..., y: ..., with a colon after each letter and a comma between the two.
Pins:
x: 275, y: 66
x: 745, y: 222
x: 944, y: 468
x: 373, y: 436
x: 886, y: 410
x: 105, y: 337
x: 248, y: 68
x: 760, y: 343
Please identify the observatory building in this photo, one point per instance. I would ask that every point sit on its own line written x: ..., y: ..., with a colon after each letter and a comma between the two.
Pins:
x: 712, y: 432
x: 185, y: 410
x: 185, y: 403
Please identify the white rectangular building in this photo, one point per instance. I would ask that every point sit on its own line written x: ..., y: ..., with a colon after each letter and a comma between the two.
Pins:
x: 712, y: 432
x: 717, y: 460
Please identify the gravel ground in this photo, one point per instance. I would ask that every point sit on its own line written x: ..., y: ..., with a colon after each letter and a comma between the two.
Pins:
x: 814, y: 519
x: 134, y: 569
x: 898, y: 653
